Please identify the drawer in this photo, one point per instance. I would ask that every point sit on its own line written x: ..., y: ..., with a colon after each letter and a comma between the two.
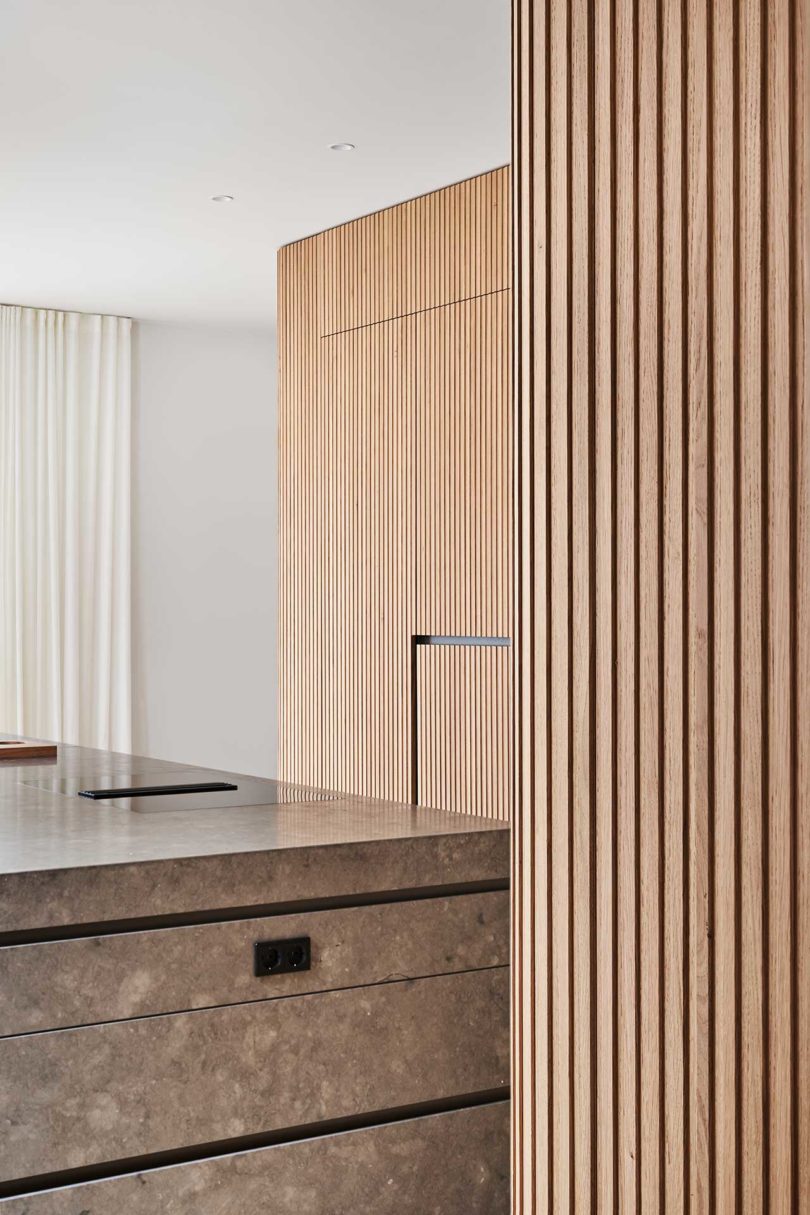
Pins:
x: 446, y: 1164
x: 77, y: 1097
x: 107, y: 978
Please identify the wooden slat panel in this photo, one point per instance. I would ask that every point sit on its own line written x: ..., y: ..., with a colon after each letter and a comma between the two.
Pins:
x: 438, y: 249
x: 300, y: 448
x: 686, y: 511
x: 464, y: 727
x: 395, y: 401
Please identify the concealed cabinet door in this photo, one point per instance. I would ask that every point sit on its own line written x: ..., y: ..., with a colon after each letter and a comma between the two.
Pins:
x: 463, y: 466
x: 368, y: 558
x: 463, y: 728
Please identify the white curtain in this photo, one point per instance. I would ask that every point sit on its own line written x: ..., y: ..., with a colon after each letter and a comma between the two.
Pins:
x: 65, y: 663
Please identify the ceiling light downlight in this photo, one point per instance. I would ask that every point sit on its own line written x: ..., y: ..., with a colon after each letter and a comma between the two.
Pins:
x: 222, y: 198
x: 342, y: 147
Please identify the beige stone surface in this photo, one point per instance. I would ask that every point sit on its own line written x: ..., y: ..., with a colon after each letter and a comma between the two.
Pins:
x: 77, y: 1097
x: 66, y: 860
x: 445, y: 1164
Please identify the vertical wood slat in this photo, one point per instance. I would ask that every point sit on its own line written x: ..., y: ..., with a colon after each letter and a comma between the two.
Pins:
x: 649, y: 493
x: 697, y: 594
x: 531, y: 836
x: 558, y: 152
x: 579, y: 525
x: 676, y: 1058
x: 776, y: 122
x: 626, y: 607
x: 604, y: 997
x: 750, y: 590
x: 395, y: 400
x: 724, y: 478
x: 661, y: 448
x: 800, y: 359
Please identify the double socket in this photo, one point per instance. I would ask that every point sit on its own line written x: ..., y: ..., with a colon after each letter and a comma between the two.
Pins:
x: 281, y: 957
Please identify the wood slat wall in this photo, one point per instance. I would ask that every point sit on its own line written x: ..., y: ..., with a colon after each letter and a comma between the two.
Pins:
x: 662, y: 850
x: 395, y: 468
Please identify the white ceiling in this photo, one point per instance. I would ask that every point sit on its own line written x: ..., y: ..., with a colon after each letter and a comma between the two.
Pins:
x: 120, y: 118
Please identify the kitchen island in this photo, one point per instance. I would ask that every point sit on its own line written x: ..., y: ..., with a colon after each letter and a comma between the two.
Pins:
x: 247, y: 996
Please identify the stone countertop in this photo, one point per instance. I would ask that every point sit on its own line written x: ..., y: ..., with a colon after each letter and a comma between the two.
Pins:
x: 67, y: 860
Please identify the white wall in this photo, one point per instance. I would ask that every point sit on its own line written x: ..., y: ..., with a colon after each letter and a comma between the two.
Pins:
x: 205, y: 546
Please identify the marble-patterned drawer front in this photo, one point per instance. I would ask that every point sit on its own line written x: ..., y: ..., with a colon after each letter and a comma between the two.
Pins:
x: 77, y: 1097
x: 108, y: 978
x: 445, y: 1164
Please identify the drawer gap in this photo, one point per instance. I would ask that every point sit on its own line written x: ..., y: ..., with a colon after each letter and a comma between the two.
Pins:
x: 217, y: 915
x: 21, y: 1187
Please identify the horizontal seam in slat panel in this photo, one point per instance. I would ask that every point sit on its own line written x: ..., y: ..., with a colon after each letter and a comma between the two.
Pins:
x: 386, y: 320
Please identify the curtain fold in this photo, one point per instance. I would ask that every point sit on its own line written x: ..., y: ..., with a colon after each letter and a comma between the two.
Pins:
x: 65, y: 550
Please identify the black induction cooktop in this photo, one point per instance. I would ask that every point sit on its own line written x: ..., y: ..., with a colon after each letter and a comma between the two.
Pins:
x: 192, y: 789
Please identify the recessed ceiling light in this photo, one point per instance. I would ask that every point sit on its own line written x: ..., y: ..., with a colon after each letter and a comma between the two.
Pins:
x: 342, y: 147
x: 222, y: 198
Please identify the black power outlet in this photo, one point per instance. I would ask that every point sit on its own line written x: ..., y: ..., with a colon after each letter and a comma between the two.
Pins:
x: 281, y: 957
